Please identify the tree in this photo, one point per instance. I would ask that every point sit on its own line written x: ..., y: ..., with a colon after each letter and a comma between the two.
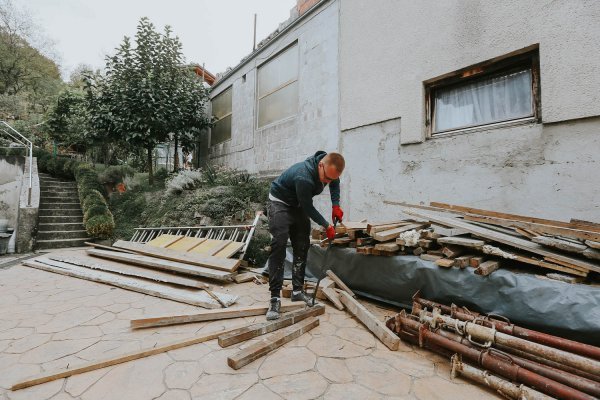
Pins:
x: 147, y: 92
x: 67, y: 121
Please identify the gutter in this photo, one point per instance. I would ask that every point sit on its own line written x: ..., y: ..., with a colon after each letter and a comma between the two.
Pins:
x: 256, y: 52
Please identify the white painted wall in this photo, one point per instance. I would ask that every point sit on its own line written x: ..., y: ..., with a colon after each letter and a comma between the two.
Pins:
x: 11, y: 172
x: 389, y: 47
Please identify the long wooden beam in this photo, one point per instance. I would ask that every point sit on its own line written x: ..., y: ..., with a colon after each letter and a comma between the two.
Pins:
x: 387, y: 337
x: 107, y: 362
x: 339, y: 282
x: 252, y: 331
x: 160, y: 264
x: 211, y: 315
x: 223, y: 264
x: 503, y: 238
x: 271, y: 342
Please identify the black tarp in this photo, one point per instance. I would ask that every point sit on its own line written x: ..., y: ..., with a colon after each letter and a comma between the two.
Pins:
x: 565, y: 309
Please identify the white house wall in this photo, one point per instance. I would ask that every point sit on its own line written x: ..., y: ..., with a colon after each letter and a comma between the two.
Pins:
x: 389, y: 48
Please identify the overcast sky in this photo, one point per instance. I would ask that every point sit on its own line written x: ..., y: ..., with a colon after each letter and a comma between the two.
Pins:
x: 217, y: 33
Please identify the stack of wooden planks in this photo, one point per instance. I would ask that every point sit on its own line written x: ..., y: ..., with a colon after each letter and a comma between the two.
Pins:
x: 458, y: 236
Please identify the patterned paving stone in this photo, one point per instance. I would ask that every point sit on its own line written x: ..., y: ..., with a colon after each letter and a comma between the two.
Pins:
x: 359, y: 336
x: 15, y: 372
x: 16, y: 333
x: 175, y: 395
x: 69, y: 319
x: 287, y: 361
x: 258, y: 391
x: 78, y: 332
x: 390, y: 383
x: 408, y: 362
x: 332, y: 346
x: 306, y: 385
x: 55, y: 350
x: 76, y: 385
x: 334, y: 370
x: 190, y: 353
x: 222, y: 386
x: 27, y: 343
x: 117, y: 383
x: 350, y: 391
x: 363, y: 365
x: 39, y: 392
x: 182, y: 375
x: 436, y: 388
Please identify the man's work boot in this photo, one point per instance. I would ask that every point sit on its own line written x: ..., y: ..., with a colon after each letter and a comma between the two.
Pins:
x: 274, y: 307
x: 301, y: 296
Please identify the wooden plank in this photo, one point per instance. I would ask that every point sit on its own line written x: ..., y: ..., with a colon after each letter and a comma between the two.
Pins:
x: 130, y: 270
x: 219, y: 247
x: 461, y: 241
x: 429, y: 257
x: 165, y: 265
x: 565, y: 278
x: 487, y: 268
x: 514, y: 217
x: 211, y: 315
x: 185, y: 244
x: 463, y: 261
x: 164, y: 240
x: 223, y: 264
x: 547, y: 229
x: 384, y: 236
x: 271, y: 342
x: 376, y: 326
x: 325, y: 283
x: 582, y: 223
x: 559, y: 244
x: 262, y: 328
x: 188, y: 296
x: 392, y: 247
x: 339, y: 282
x: 245, y: 277
x: 525, y: 232
x: 103, y: 247
x: 207, y: 247
x: 452, y: 251
x: 476, y: 261
x: 107, y: 362
x: 445, y: 262
x: 567, y: 267
x: 448, y: 232
x: 380, y: 228
x: 506, y: 239
x: 230, y: 250
x: 333, y: 296
x: 592, y: 254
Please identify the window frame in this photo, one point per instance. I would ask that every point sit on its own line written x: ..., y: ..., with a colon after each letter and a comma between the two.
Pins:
x: 525, y: 59
x: 276, y: 89
x: 229, y: 114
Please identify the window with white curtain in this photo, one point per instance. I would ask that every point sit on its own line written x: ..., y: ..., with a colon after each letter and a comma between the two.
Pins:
x: 505, y: 94
x: 222, y: 111
x: 278, y: 87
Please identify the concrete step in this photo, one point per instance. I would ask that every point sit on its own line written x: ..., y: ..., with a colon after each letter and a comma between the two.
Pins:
x: 60, y: 235
x: 59, y: 244
x: 61, y: 192
x: 47, y: 186
x: 59, y: 199
x: 56, y: 212
x: 67, y: 219
x: 71, y: 205
x: 61, y: 226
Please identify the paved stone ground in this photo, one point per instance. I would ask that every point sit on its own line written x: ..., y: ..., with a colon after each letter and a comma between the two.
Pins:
x: 49, y: 322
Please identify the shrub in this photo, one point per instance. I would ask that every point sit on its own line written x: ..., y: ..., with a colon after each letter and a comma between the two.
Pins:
x: 185, y: 180
x: 115, y: 173
x: 93, y: 198
x: 100, y: 226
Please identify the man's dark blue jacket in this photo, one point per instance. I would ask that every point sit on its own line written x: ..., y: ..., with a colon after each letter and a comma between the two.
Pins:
x: 297, y: 185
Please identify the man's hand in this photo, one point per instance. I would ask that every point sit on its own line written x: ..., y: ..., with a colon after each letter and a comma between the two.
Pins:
x: 330, y: 232
x: 336, y: 212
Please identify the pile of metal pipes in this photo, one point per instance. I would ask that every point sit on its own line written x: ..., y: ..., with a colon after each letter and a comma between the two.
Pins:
x: 517, y: 362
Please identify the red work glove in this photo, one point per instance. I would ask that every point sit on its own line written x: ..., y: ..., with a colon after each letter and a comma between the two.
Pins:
x: 336, y: 212
x: 330, y: 232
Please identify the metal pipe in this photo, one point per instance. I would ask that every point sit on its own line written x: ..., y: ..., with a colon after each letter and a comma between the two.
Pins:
x: 445, y: 309
x: 511, y: 329
x: 500, y: 385
x: 496, y: 362
x: 491, y: 335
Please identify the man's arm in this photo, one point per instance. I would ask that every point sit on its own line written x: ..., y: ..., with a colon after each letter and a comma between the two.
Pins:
x: 304, y: 194
x: 334, y: 190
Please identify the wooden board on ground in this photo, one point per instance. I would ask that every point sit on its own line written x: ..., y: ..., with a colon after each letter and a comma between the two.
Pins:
x: 445, y: 262
x: 107, y: 362
x: 559, y: 244
x: 223, y: 264
x: 592, y: 244
x: 189, y: 296
x: 430, y: 257
x: 461, y: 241
x: 332, y: 295
x: 387, y: 247
x: 271, y: 342
x: 448, y: 232
x: 130, y: 270
x: 506, y: 239
x: 160, y: 264
x: 185, y: 244
x: 164, y: 240
x: 487, y: 268
x: 229, y: 250
x: 211, y: 315
x: 325, y: 283
x: 262, y: 328
x: 245, y: 277
x: 103, y: 247
x: 339, y: 282
x: 384, y: 236
x: 380, y: 228
x: 376, y: 326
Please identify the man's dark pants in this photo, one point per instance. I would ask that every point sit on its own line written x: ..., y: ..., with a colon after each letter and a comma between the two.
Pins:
x: 293, y: 223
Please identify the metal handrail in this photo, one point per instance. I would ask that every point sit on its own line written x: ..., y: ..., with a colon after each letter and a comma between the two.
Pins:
x: 30, y: 155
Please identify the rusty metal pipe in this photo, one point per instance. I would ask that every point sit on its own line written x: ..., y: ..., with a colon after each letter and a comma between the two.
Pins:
x: 574, y: 381
x: 514, y: 330
x: 502, y: 386
x: 445, y: 309
x: 497, y: 363
x: 490, y: 335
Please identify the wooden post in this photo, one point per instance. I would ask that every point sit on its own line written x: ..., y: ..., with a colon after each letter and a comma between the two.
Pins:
x: 339, y: 282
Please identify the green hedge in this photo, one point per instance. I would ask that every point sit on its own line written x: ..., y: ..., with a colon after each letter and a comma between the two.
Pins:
x: 97, y: 218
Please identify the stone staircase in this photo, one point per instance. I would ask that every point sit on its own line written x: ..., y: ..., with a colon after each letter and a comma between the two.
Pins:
x: 60, y: 222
